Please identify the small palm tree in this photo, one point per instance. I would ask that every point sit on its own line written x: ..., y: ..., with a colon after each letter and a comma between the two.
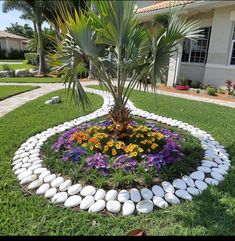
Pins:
x: 122, y: 51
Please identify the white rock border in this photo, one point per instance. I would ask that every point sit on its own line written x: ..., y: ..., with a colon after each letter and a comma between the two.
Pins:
x: 29, y: 169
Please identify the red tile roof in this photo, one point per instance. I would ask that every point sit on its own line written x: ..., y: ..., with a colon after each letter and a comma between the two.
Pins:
x: 163, y: 5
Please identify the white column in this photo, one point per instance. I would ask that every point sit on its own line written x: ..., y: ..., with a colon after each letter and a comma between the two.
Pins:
x: 7, y: 44
x: 174, y: 66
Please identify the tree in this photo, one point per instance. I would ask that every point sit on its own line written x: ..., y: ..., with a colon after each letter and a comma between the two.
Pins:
x: 34, y: 10
x: 119, y: 47
x: 22, y: 30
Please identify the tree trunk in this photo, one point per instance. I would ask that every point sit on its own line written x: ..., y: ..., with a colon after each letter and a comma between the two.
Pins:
x: 91, y: 70
x: 42, y: 65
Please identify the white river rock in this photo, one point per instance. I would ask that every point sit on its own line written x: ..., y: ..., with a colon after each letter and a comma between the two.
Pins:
x: 28, y: 179
x: 179, y: 184
x: 88, y: 191
x: 128, y: 208
x: 74, y: 189
x: 171, y: 198
x: 111, y: 195
x: 100, y: 194
x: 144, y: 206
x: 167, y: 186
x: 51, y: 192
x: 146, y: 193
x: 193, y: 191
x: 59, y: 197
x: 65, y: 185
x: 198, y: 175
x: 73, y: 201
x: 35, y: 184
x: 211, y: 181
x: 188, y: 180
x: 113, y: 206
x: 43, y: 189
x: 123, y: 196
x: 135, y: 195
x: 200, y: 185
x: 159, y: 202
x: 97, y: 206
x: 57, y: 182
x: 87, y: 202
x: 183, y: 194
x: 158, y: 191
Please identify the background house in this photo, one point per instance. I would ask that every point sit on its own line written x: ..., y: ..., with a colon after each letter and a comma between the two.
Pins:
x: 10, y: 41
x: 208, y: 60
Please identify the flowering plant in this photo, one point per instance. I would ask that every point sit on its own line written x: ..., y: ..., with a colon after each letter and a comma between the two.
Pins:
x: 145, y: 146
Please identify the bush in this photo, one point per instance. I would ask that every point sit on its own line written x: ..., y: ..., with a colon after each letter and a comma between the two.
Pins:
x: 2, y: 53
x: 183, y: 81
x: 6, y: 67
x: 195, y: 84
x: 15, y: 54
x: 211, y: 91
x: 32, y: 58
x: 221, y: 90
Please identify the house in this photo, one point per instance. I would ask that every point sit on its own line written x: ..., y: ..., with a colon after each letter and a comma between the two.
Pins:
x: 209, y: 60
x: 10, y: 41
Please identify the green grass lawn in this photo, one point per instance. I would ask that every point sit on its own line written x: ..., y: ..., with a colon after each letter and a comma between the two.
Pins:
x: 18, y: 66
x: 10, y: 90
x: 11, y: 60
x: 31, y: 80
x: 211, y: 213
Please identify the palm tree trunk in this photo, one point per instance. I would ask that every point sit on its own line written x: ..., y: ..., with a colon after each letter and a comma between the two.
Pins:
x: 42, y: 65
x: 91, y: 70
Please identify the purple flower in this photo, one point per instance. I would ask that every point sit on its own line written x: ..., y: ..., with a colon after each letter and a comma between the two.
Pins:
x: 74, y: 155
x: 125, y: 162
x: 99, y: 162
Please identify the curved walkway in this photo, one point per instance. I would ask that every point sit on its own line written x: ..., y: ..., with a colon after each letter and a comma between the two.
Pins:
x: 14, y: 102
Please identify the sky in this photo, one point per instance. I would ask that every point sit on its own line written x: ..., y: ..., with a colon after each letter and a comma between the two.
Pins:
x: 11, y: 17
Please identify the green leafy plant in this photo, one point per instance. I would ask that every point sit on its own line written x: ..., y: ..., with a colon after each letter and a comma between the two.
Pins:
x: 32, y: 58
x: 211, y: 91
x: 195, y: 84
x: 119, y: 47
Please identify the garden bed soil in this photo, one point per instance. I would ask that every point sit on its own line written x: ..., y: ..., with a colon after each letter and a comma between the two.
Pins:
x: 223, y: 97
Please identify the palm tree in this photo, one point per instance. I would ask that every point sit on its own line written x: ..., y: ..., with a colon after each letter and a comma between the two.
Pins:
x: 34, y: 10
x: 122, y: 51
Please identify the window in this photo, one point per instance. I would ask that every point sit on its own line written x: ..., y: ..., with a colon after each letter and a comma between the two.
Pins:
x: 195, y: 51
x: 232, y: 58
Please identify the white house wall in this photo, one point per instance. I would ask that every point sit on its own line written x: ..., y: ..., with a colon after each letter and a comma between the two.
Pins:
x: 195, y: 71
x: 3, y: 43
x: 218, y: 69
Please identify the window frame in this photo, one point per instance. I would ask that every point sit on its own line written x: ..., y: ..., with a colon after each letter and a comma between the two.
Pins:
x: 190, y: 51
x: 232, y: 43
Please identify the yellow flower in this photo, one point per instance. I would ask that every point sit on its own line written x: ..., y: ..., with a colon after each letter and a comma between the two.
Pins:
x: 106, y: 148
x: 114, y: 152
x: 110, y: 143
x: 91, y: 148
x: 154, y: 145
x: 118, y: 146
x: 148, y: 150
x: 96, y: 146
x: 159, y: 136
x: 84, y: 145
x: 133, y: 153
x: 140, y: 150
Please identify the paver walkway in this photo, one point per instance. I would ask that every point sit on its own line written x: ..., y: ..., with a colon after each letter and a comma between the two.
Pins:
x: 11, y: 103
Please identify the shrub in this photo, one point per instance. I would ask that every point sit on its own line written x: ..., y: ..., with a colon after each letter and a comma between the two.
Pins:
x: 32, y: 58
x: 195, y: 84
x: 15, y: 54
x: 6, y: 67
x: 211, y: 91
x: 183, y: 81
x: 221, y: 90
x: 230, y: 87
x: 2, y: 53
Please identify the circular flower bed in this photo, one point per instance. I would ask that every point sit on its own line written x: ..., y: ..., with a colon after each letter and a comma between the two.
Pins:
x: 136, y: 159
